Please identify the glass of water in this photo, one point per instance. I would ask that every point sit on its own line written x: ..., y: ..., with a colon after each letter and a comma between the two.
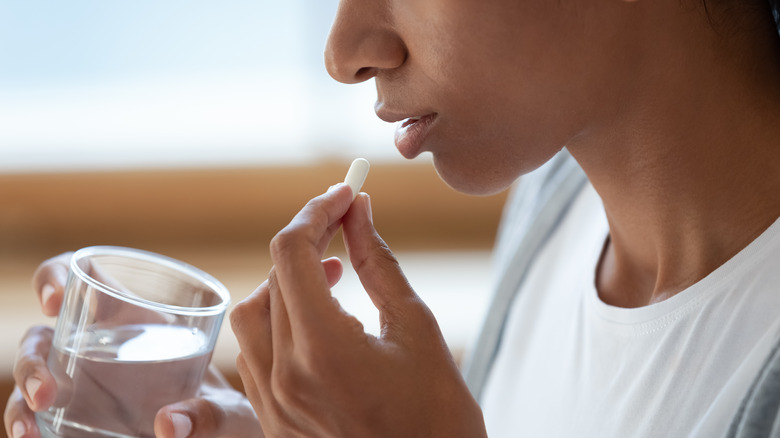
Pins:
x: 135, y: 333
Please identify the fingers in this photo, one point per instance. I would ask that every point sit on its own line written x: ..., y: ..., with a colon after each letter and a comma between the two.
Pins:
x: 281, y: 334
x: 18, y: 418
x: 49, y: 283
x: 333, y: 270
x: 377, y: 268
x: 280, y: 322
x: 251, y: 323
x: 217, y: 415
x: 31, y: 374
x: 171, y: 422
x: 262, y: 327
x: 251, y: 388
x: 207, y: 418
x: 297, y: 252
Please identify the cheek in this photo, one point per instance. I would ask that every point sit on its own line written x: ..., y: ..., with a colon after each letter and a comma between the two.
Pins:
x: 501, y: 79
x: 472, y: 179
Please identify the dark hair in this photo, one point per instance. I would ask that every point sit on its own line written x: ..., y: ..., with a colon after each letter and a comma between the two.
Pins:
x: 775, y: 5
x: 774, y: 8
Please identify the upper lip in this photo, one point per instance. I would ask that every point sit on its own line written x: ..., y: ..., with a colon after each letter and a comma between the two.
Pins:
x: 391, y: 116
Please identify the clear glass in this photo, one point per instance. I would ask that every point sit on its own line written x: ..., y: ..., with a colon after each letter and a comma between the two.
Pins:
x: 136, y: 332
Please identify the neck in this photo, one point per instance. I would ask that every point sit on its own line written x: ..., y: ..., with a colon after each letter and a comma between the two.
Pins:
x: 691, y: 176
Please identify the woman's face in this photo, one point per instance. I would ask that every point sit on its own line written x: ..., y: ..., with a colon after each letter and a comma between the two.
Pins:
x: 494, y: 87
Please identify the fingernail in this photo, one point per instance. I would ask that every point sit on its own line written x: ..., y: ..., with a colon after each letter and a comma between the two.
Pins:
x: 31, y: 385
x: 182, y: 425
x: 19, y: 429
x: 368, y: 210
x: 46, y: 293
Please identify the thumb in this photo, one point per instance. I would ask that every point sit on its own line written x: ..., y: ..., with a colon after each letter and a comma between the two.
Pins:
x: 377, y: 268
x: 205, y: 418
x: 174, y: 423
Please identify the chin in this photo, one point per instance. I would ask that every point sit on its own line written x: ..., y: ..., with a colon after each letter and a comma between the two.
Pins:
x: 472, y: 179
x: 488, y: 173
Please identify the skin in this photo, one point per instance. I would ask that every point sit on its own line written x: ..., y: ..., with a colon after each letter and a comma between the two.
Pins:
x: 308, y: 366
x: 671, y: 113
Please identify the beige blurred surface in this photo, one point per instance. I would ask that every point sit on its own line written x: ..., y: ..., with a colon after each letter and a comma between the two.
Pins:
x: 454, y: 284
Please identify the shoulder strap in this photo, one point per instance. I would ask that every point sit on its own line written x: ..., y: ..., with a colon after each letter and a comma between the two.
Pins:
x: 758, y: 415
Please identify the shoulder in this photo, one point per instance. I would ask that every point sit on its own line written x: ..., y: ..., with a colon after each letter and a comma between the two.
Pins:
x: 759, y: 412
x: 550, y: 189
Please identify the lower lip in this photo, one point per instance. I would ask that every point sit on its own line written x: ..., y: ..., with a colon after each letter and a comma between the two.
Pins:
x: 410, y: 134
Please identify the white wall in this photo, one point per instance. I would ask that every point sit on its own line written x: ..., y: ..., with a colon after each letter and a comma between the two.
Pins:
x: 160, y: 83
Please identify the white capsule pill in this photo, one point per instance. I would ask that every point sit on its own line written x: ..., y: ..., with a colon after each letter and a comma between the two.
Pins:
x: 356, y: 175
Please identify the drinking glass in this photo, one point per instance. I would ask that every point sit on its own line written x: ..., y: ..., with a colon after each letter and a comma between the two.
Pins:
x: 136, y: 332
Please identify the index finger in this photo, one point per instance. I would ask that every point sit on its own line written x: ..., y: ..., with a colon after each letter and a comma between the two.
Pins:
x: 49, y: 282
x: 297, y: 253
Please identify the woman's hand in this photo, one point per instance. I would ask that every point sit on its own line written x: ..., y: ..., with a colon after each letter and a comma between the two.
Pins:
x: 218, y: 411
x: 310, y: 370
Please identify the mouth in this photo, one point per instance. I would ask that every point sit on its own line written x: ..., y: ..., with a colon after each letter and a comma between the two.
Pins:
x: 411, y: 132
x: 410, y: 121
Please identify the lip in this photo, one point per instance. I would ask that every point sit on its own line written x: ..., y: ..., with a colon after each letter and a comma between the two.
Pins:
x: 410, y: 134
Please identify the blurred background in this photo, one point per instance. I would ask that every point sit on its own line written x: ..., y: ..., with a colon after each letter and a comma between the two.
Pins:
x: 197, y: 129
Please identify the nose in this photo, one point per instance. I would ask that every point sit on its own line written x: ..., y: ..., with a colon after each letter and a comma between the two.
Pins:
x: 363, y: 42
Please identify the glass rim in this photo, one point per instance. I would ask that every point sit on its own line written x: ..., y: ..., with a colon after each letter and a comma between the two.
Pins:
x: 138, y: 254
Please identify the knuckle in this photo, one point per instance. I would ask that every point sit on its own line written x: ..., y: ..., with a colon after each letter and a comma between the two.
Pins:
x: 242, y: 312
x: 46, y: 268
x: 424, y: 317
x: 284, y: 241
x: 38, y: 334
x: 302, y: 229
x: 380, y: 258
x: 26, y: 366
x: 315, y: 206
x: 386, y: 257
x: 297, y: 233
x: 237, y: 316
x: 252, y: 307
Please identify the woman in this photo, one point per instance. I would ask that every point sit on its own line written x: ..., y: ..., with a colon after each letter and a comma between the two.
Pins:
x: 641, y: 302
